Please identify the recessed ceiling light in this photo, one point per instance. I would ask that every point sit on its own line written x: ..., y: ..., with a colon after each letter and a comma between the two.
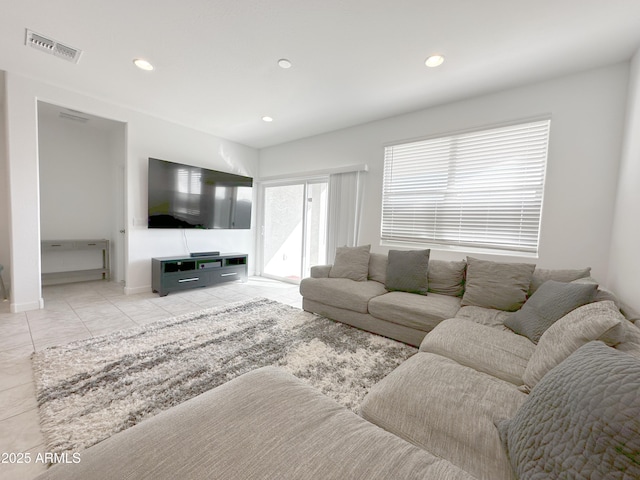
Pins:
x: 143, y: 64
x: 267, y: 119
x: 284, y: 63
x: 434, y: 61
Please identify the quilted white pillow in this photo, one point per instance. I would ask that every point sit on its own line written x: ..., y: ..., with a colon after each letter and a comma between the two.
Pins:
x: 594, y: 321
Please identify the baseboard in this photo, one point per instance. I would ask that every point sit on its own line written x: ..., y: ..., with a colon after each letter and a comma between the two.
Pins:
x: 136, y: 290
x: 25, y: 307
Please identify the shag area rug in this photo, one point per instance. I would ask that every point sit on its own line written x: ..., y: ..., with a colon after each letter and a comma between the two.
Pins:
x: 90, y: 389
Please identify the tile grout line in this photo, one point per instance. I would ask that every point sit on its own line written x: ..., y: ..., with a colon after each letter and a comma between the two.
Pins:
x: 80, y: 318
x: 33, y: 343
x: 15, y: 386
x: 21, y: 413
x: 74, y: 312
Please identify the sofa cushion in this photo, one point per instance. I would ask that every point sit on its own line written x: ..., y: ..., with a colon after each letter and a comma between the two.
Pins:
x: 447, y: 409
x: 553, y: 300
x: 365, y: 321
x: 631, y: 342
x: 581, y: 421
x: 499, y: 353
x: 603, y: 294
x: 378, y: 267
x: 630, y: 313
x: 484, y: 316
x: 407, y: 271
x: 595, y: 321
x: 541, y: 275
x: 446, y: 278
x: 351, y: 262
x: 341, y: 292
x: 263, y: 425
x: 502, y: 286
x: 416, y: 311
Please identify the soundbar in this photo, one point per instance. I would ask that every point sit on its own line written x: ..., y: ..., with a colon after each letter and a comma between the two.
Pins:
x: 204, y: 254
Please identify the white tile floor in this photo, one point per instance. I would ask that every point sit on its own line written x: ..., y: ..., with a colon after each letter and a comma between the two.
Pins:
x: 83, y: 310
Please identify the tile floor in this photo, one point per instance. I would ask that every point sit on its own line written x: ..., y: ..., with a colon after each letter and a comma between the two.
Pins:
x: 82, y: 310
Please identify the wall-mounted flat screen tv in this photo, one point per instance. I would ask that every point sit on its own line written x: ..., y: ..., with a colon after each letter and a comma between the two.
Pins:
x: 184, y: 196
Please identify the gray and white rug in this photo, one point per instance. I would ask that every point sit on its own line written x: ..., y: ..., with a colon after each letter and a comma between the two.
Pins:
x: 90, y: 389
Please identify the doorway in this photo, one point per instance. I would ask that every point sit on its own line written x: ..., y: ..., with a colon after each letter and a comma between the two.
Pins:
x: 82, y: 190
x: 294, y: 228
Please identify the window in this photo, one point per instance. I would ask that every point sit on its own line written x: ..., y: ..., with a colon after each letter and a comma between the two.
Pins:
x: 478, y: 189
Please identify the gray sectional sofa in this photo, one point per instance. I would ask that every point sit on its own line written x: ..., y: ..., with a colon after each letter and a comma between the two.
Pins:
x: 559, y: 399
x: 369, y: 302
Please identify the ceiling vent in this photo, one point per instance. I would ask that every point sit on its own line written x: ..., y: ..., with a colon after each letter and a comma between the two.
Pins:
x: 73, y: 116
x: 49, y: 45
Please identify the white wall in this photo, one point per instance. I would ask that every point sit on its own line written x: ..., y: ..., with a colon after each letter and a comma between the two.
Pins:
x: 163, y: 140
x: 146, y: 137
x: 4, y: 191
x: 75, y: 163
x: 624, y: 276
x: 587, y: 113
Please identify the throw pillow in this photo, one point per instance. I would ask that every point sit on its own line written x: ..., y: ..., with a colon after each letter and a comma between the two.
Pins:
x: 502, y: 286
x: 553, y: 300
x: 631, y: 342
x: 378, y: 267
x: 446, y: 278
x: 581, y: 421
x: 541, y: 275
x: 351, y: 262
x: 407, y: 271
x: 595, y: 321
x: 601, y: 294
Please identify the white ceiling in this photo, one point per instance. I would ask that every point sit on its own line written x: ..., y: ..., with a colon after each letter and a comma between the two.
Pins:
x: 354, y: 61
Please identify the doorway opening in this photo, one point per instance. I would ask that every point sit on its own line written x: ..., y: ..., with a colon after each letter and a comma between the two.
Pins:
x: 294, y: 228
x: 81, y: 162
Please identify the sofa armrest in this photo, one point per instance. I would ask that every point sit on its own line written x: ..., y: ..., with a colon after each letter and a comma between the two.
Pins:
x: 320, y: 271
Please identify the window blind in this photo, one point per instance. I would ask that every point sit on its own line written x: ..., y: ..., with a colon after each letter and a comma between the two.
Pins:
x: 479, y: 189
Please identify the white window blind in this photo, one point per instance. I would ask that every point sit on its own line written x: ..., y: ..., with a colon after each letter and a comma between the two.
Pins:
x: 479, y: 189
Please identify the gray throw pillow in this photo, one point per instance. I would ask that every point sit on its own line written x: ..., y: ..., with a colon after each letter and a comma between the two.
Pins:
x: 351, y: 262
x: 502, y: 286
x: 552, y: 301
x: 581, y: 421
x: 407, y: 271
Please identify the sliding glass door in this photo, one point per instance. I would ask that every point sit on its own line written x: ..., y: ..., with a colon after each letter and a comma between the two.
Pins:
x: 294, y: 229
x: 282, y: 231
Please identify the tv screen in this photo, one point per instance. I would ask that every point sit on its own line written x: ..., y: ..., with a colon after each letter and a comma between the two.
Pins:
x: 184, y: 196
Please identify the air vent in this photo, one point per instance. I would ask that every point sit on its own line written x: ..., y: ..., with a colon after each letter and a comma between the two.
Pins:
x: 49, y: 45
x: 71, y: 116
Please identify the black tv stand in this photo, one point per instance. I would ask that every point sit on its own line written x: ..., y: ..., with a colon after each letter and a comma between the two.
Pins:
x: 170, y: 274
x: 204, y: 254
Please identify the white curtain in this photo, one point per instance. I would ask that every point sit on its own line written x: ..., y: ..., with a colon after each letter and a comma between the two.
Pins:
x: 345, y: 205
